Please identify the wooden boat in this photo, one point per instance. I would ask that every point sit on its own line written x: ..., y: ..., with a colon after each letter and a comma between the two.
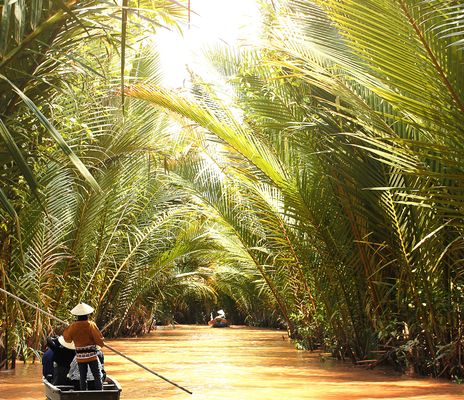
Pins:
x: 111, y: 391
x: 219, y: 323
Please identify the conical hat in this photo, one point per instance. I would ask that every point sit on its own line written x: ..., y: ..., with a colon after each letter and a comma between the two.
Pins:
x: 82, y: 309
x: 68, y: 345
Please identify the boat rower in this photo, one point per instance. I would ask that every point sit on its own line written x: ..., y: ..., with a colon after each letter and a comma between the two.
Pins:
x: 86, y: 337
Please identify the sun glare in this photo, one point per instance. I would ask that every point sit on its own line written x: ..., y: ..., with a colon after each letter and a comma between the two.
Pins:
x: 212, y: 22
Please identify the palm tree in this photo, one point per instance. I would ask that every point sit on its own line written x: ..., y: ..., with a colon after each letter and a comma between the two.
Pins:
x: 329, y: 193
x: 58, y: 78
x: 352, y: 113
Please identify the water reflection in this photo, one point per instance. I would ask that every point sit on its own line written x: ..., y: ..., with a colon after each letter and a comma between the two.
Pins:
x: 235, y: 363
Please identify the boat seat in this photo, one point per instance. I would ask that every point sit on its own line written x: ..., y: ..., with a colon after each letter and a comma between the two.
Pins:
x: 109, y: 386
x: 65, y: 387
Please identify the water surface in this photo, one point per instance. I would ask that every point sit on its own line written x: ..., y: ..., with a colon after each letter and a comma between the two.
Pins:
x: 235, y: 363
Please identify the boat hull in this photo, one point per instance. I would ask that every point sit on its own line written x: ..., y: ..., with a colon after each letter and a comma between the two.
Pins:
x: 219, y: 323
x: 111, y: 391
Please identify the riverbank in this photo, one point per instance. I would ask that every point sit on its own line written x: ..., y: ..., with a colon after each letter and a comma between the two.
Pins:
x: 237, y: 363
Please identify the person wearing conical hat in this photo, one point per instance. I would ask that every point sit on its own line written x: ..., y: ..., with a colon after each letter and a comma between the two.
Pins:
x: 64, y: 353
x: 86, y: 337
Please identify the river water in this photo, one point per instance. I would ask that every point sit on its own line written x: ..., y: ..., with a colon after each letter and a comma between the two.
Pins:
x: 237, y: 363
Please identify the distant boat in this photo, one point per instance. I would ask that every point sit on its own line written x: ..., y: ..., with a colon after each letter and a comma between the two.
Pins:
x: 111, y: 391
x: 219, y: 322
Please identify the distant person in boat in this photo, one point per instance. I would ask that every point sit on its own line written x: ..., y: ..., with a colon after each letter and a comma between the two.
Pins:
x: 63, y: 353
x: 74, y: 374
x: 219, y: 320
x: 153, y: 322
x: 86, y: 337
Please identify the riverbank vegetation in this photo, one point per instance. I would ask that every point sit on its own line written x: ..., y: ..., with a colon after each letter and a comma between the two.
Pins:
x: 324, y: 194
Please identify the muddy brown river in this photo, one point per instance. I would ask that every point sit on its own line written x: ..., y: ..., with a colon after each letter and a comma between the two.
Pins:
x: 237, y: 363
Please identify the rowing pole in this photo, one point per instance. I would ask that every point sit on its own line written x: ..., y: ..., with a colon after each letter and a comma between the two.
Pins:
x: 109, y: 347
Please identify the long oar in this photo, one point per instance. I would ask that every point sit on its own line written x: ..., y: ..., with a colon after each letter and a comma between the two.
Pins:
x: 148, y: 369
x: 109, y: 347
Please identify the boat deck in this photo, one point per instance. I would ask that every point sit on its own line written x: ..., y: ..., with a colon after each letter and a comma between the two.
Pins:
x: 111, y: 391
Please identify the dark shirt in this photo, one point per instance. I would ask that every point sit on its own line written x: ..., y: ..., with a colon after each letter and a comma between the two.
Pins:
x: 47, y: 362
x: 61, y: 355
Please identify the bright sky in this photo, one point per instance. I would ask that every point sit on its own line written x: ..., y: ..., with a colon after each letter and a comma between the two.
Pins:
x: 215, y: 21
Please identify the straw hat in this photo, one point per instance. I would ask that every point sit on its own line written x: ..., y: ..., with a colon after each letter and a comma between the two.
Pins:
x: 82, y: 309
x: 69, y: 346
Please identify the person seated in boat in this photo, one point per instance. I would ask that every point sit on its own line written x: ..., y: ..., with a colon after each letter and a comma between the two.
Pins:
x: 74, y: 374
x: 47, y: 363
x: 63, y: 353
x: 221, y: 315
x: 153, y: 322
x: 86, y: 337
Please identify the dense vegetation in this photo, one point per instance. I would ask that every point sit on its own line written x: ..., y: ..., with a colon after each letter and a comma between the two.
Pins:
x: 325, y: 194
